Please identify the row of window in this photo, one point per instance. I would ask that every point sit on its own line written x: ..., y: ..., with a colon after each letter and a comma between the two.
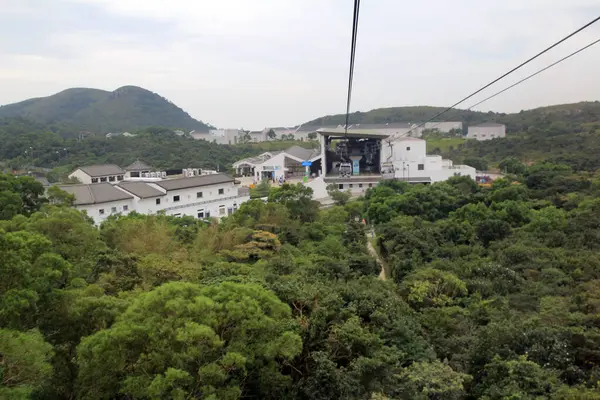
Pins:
x: 199, y: 195
x: 351, y: 185
x: 108, y: 179
x: 113, y: 210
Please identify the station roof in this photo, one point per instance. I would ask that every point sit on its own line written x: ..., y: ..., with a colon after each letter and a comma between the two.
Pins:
x: 353, y: 133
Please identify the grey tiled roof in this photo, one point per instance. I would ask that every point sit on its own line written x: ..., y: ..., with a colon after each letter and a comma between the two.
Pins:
x: 102, y: 170
x: 140, y: 189
x: 95, y: 193
x: 138, y: 166
x: 487, y: 124
x: 195, y: 181
x: 391, y: 125
x: 302, y: 153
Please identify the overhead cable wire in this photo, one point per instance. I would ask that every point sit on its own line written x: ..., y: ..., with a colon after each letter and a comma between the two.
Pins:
x: 352, y: 56
x: 530, y: 76
x: 534, y: 74
x: 506, y: 74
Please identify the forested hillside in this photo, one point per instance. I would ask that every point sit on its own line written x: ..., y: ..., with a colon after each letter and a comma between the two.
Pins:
x: 125, y: 109
x: 567, y: 134
x: 494, y: 293
x: 25, y: 143
x: 568, y: 114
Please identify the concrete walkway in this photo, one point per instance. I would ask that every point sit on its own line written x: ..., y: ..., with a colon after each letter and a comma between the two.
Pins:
x: 383, y: 274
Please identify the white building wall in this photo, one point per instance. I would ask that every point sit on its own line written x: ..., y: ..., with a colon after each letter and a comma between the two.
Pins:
x: 85, y: 178
x: 122, y: 207
x: 274, y: 164
x: 218, y: 205
x: 486, y: 132
x: 444, y: 126
x: 82, y: 176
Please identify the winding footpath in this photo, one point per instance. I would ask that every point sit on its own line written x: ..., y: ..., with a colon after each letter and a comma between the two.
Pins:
x: 382, y: 275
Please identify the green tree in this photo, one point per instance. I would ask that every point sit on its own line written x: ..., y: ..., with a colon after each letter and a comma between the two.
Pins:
x: 298, y: 200
x: 432, y: 380
x: 226, y: 341
x: 478, y: 163
x: 24, y: 363
x: 512, y: 165
x: 340, y: 198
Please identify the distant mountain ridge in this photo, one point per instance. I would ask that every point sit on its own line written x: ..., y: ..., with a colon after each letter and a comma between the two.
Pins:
x: 126, y: 109
x: 565, y: 113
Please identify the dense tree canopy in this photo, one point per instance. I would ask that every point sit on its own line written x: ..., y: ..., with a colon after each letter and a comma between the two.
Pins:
x: 491, y: 293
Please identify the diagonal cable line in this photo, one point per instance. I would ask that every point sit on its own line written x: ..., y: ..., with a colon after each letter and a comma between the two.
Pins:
x: 352, y: 56
x: 530, y: 76
x: 507, y: 73
x: 534, y: 74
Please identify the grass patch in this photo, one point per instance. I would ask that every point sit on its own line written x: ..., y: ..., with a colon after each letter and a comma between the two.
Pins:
x: 278, y: 145
x: 444, y: 144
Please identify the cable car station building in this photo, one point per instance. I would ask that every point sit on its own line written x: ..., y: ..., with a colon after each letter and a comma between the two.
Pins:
x: 360, y: 159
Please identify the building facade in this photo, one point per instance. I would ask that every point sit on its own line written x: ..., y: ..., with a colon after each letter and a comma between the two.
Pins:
x: 487, y: 131
x: 110, y: 173
x: 206, y: 196
x: 371, y: 157
x: 279, y: 165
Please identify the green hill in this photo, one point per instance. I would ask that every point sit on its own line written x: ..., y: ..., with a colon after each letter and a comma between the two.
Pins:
x: 126, y: 109
x: 399, y: 114
x: 576, y: 113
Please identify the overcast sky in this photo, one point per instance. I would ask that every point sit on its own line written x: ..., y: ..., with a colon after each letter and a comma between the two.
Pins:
x: 257, y: 63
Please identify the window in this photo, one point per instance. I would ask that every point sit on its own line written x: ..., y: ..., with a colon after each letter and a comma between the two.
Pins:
x: 370, y: 185
x: 221, y: 191
x: 157, y: 202
x: 111, y: 178
x: 351, y: 186
x: 94, y: 180
x: 177, y: 215
x: 341, y: 186
x: 101, y: 211
x: 207, y: 214
x: 408, y: 148
x: 120, y: 177
x: 201, y: 213
x: 125, y: 208
x: 421, y: 167
x: 103, y: 179
x: 113, y: 209
x: 175, y: 198
x: 360, y: 185
x: 221, y: 210
x: 199, y: 195
x: 229, y: 210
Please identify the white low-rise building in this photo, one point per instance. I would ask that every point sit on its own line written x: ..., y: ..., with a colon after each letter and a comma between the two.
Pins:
x: 357, y: 160
x: 411, y: 162
x: 100, y: 200
x: 281, y: 164
x: 206, y: 196
x: 110, y: 173
x: 487, y: 131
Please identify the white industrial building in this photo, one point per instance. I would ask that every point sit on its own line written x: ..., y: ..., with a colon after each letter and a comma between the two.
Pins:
x: 212, y: 195
x: 280, y: 164
x: 110, y: 173
x: 360, y: 159
x: 486, y: 131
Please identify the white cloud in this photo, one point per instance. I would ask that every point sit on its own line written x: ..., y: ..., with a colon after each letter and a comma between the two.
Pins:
x: 276, y: 62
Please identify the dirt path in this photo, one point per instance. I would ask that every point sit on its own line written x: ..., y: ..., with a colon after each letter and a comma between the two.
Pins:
x: 382, y: 275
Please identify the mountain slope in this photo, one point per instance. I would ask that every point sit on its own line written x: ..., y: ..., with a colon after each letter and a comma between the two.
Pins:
x: 398, y: 114
x: 563, y: 113
x: 126, y: 109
